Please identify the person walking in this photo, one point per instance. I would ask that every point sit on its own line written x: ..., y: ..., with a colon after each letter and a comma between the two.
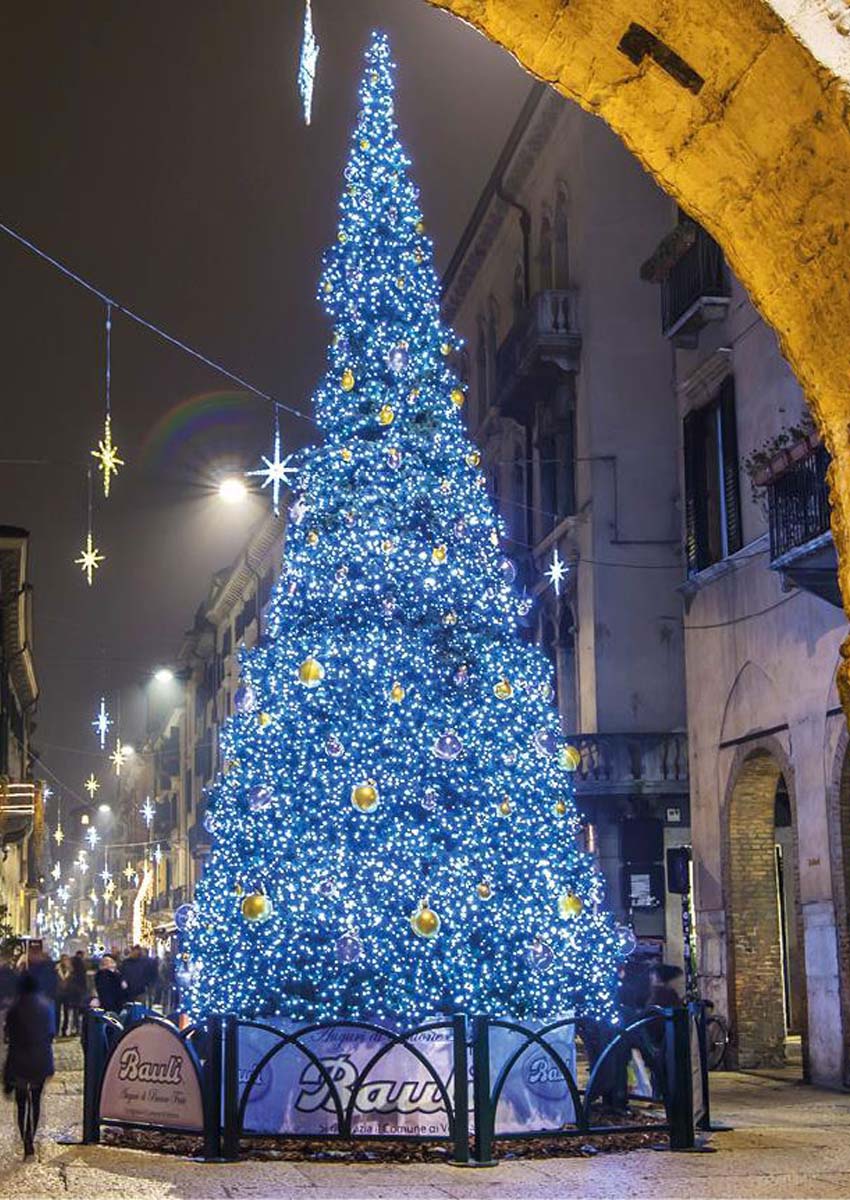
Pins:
x: 30, y: 1029
x: 110, y: 987
x: 78, y: 990
x: 63, y: 994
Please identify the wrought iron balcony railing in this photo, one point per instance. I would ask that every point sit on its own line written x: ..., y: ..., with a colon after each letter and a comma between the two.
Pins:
x: 631, y: 763
x: 798, y: 502
x: 695, y: 290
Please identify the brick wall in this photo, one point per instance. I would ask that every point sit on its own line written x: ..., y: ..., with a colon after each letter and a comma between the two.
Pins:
x: 755, y: 984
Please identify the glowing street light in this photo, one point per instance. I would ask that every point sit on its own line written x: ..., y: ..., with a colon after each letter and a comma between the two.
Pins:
x: 164, y: 675
x: 232, y: 490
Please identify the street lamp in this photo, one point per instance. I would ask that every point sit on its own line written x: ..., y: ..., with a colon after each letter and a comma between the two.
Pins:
x: 164, y: 675
x: 232, y: 490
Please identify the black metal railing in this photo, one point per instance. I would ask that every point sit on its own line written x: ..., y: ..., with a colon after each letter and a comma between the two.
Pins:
x: 798, y: 503
x: 543, y: 330
x: 467, y: 1092
x: 699, y: 273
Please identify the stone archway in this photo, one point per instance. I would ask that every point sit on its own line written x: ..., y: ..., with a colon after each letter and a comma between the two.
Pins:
x: 740, y: 109
x: 756, y: 933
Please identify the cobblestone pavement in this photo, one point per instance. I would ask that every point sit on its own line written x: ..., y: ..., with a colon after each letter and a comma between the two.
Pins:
x: 788, y: 1141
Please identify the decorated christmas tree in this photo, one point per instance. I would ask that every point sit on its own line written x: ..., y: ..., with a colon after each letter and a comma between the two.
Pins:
x: 393, y: 828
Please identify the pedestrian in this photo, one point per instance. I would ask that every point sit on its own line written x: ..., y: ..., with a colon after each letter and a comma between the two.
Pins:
x: 8, y: 987
x: 30, y: 1029
x: 110, y: 986
x: 43, y: 968
x: 63, y: 994
x: 78, y: 990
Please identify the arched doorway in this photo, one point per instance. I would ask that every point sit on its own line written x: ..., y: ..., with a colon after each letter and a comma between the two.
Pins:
x: 739, y: 112
x: 766, y: 975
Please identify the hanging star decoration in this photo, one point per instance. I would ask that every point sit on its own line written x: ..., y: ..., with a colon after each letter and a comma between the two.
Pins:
x: 47, y: 791
x: 92, y: 837
x: 557, y: 572
x: 63, y: 893
x: 106, y: 876
x: 157, y: 854
x: 59, y: 835
x: 93, y: 896
x: 91, y: 785
x: 307, y: 65
x: 147, y: 810
x: 102, y: 723
x: 90, y: 559
x: 57, y: 871
x: 277, y: 471
x: 118, y: 757
x: 128, y: 872
x: 119, y: 904
x: 107, y: 455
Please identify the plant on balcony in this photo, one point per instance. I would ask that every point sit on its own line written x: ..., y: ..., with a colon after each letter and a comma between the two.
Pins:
x: 394, y: 833
x: 776, y: 453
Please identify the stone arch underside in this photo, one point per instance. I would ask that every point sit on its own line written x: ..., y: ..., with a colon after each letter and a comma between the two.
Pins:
x: 748, y: 126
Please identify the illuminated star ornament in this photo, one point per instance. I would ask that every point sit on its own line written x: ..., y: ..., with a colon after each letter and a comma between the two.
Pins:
x: 106, y: 876
x: 557, y: 572
x: 92, y: 836
x: 307, y: 65
x: 91, y: 785
x: 107, y: 455
x: 277, y: 470
x: 118, y: 756
x: 102, y: 723
x: 57, y: 871
x: 147, y: 810
x: 128, y: 872
x: 90, y: 559
x: 58, y: 835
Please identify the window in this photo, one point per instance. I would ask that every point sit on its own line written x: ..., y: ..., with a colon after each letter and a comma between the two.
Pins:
x: 562, y: 245
x: 712, y: 499
x: 544, y: 259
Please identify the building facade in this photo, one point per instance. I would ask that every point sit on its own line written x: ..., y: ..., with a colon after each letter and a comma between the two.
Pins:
x: 570, y: 401
x: 763, y: 628
x: 21, y: 802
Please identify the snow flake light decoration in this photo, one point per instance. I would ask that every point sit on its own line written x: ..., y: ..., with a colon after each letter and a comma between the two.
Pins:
x: 102, y: 723
x: 91, y: 785
x: 148, y: 812
x: 90, y: 559
x: 277, y: 470
x: 384, y: 769
x: 307, y: 63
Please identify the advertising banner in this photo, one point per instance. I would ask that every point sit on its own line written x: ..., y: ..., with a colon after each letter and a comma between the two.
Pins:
x: 400, y: 1094
x: 151, y: 1079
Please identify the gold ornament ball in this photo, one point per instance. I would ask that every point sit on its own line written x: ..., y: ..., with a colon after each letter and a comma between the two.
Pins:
x: 342, y: 236
x: 473, y: 459
x: 364, y: 143
x: 439, y: 555
x: 311, y: 673
x: 559, y: 808
x: 313, y: 537
x: 425, y: 922
x: 238, y: 889
x: 256, y: 907
x: 364, y: 796
x: 420, y: 227
x: 329, y: 287
x: 346, y: 455
x: 387, y: 545
x: 413, y: 394
x: 396, y: 693
x: 569, y: 905
x: 264, y: 719
x: 503, y: 689
x: 505, y: 807
x: 347, y: 380
x: 570, y: 758
x: 484, y: 890
x: 386, y: 416
x: 457, y: 397
x: 445, y: 349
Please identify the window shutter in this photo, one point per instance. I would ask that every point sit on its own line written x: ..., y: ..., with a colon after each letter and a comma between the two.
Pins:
x: 690, y: 427
x: 731, y: 487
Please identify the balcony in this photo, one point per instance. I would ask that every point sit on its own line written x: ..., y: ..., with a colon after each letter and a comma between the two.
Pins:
x: 17, y: 808
x: 694, y: 289
x: 543, y: 339
x: 631, y: 764
x: 801, y: 545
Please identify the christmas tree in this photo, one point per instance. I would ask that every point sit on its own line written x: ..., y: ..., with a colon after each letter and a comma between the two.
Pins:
x: 394, y: 833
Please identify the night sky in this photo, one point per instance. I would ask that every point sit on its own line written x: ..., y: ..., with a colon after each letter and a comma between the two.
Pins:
x: 158, y: 148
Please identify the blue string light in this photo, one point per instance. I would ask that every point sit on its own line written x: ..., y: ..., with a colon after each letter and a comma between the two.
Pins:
x: 393, y: 829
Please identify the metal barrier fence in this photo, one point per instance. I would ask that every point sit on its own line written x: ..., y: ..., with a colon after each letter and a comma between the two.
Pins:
x: 145, y: 1073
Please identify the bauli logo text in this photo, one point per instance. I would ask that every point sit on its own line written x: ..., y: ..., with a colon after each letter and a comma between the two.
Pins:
x: 373, y: 1095
x: 135, y: 1069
